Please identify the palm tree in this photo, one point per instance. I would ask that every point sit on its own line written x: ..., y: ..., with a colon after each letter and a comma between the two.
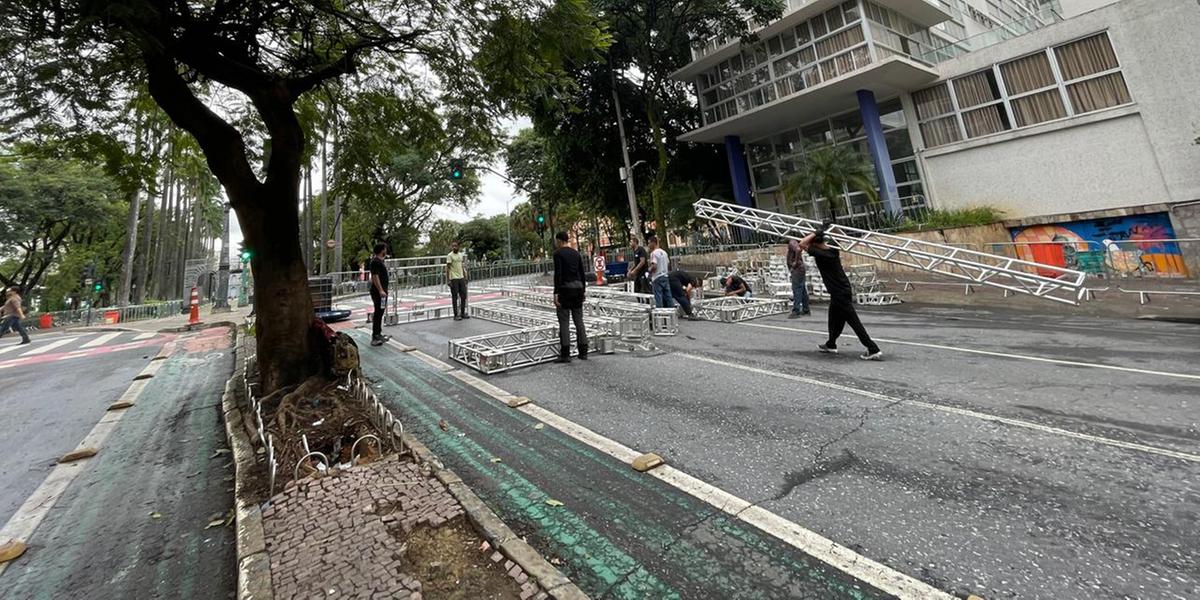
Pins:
x: 829, y: 173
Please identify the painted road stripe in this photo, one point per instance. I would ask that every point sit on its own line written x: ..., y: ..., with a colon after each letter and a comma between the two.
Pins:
x: 839, y: 557
x: 49, y: 347
x: 1057, y: 361
x: 952, y: 410
x: 144, y: 336
x: 104, y: 339
x: 11, y: 347
x: 23, y: 523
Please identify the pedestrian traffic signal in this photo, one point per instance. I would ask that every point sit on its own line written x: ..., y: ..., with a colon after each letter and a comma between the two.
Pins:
x: 98, y: 287
x: 541, y: 220
x: 246, y: 256
x: 457, y: 169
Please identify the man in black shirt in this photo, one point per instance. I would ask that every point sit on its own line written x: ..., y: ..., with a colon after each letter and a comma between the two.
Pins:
x: 736, y: 286
x: 637, y: 267
x: 682, y: 284
x: 379, y: 292
x: 841, y: 298
x: 569, y: 285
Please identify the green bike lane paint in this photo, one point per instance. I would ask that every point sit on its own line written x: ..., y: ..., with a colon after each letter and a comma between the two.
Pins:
x: 619, y: 534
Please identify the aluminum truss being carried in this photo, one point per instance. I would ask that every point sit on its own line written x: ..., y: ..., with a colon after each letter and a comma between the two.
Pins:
x: 732, y: 309
x: 1011, y: 274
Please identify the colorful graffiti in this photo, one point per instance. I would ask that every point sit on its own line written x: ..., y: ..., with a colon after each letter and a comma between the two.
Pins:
x: 1123, y: 246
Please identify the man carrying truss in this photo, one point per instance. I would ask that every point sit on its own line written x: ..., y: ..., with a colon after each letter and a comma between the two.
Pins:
x: 682, y: 284
x: 841, y: 297
x: 570, y: 282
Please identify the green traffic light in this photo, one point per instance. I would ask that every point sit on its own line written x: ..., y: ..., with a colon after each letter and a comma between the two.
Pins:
x: 541, y: 219
x: 98, y: 287
x: 245, y: 255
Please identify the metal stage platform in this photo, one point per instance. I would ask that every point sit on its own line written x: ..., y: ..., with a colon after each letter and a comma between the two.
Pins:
x: 507, y: 350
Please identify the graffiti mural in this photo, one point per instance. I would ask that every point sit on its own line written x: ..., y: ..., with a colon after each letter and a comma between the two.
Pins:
x: 1123, y: 246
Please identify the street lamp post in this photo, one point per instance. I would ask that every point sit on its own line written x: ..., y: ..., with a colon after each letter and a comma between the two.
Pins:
x: 222, y: 303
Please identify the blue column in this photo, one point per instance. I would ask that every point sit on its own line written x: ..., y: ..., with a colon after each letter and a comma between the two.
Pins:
x: 738, y: 172
x: 888, y: 193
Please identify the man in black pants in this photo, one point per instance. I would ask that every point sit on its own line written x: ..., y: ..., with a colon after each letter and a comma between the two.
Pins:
x: 569, y: 285
x: 379, y: 290
x: 841, y: 298
x: 682, y: 284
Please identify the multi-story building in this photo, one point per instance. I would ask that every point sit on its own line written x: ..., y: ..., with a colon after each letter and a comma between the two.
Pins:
x: 1074, y: 117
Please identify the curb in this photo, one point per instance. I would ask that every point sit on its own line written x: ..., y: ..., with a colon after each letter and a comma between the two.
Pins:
x: 495, y: 531
x: 254, y: 565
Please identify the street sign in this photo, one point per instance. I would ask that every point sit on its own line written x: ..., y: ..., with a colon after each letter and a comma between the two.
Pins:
x: 87, y: 281
x: 599, y: 262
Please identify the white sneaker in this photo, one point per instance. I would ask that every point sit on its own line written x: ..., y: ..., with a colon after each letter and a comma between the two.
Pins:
x: 827, y: 349
x: 876, y: 355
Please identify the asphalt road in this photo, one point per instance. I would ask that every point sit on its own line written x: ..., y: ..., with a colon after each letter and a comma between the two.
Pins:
x: 1088, y: 488
x: 134, y: 521
x: 47, y: 407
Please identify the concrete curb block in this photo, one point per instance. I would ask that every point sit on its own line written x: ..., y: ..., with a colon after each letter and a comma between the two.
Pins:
x: 254, y: 565
x: 499, y: 535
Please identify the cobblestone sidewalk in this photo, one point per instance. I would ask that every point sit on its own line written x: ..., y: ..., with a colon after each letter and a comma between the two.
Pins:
x: 343, y: 535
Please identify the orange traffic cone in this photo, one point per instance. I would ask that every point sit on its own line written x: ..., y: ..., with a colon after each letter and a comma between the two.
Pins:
x: 194, y: 313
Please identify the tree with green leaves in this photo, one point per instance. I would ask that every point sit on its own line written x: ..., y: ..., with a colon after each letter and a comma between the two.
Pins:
x: 830, y: 173
x: 45, y: 206
x: 651, y: 40
x: 230, y: 74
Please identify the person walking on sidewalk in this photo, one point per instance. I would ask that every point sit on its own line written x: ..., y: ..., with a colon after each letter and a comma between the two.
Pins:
x: 379, y: 292
x: 570, y: 284
x: 841, y: 297
x: 795, y: 263
x: 637, y: 267
x: 456, y: 274
x: 682, y: 284
x: 13, y: 314
x: 660, y: 265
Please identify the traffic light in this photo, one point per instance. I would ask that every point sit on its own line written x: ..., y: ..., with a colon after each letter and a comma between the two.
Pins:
x: 541, y: 220
x: 246, y: 255
x: 457, y: 168
x: 98, y: 287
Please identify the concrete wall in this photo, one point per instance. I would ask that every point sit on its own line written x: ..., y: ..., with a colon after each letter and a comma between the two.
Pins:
x: 1074, y: 8
x: 1185, y: 219
x: 1127, y: 156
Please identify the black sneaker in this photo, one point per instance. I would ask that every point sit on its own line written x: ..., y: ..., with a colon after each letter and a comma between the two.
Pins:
x: 457, y: 318
x: 466, y: 316
x: 876, y: 355
x: 793, y: 315
x: 827, y: 349
x: 806, y: 313
x: 377, y: 342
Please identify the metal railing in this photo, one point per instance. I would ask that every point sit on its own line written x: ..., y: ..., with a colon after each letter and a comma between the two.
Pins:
x: 431, y: 278
x: 105, y: 315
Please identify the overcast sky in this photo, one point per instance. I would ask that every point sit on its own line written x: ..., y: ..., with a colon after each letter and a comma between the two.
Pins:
x: 494, y: 193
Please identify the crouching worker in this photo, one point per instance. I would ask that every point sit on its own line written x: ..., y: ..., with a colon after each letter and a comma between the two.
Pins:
x: 682, y: 284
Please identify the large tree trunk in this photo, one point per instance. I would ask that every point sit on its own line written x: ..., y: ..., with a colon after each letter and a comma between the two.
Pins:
x: 164, y: 228
x: 143, y: 269
x: 324, y: 207
x: 131, y: 228
x: 267, y: 211
x: 658, y: 186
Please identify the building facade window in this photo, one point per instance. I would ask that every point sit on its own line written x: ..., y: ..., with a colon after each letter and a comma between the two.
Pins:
x: 1062, y: 81
x: 826, y: 46
x: 774, y: 159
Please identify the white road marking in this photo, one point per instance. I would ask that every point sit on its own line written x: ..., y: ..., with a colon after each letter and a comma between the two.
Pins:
x: 11, y: 347
x: 23, y: 523
x: 104, y: 339
x: 950, y: 409
x: 1057, y: 361
x: 144, y: 336
x: 49, y: 347
x: 811, y: 543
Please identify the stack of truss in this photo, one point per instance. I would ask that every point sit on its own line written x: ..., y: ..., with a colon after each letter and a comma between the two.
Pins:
x: 498, y: 352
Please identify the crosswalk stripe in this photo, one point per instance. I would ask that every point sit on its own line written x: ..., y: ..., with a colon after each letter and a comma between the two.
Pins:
x: 144, y: 336
x: 10, y: 347
x: 49, y: 347
x: 104, y: 339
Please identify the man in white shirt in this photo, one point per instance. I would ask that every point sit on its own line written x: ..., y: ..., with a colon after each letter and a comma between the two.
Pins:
x: 660, y: 283
x: 456, y: 275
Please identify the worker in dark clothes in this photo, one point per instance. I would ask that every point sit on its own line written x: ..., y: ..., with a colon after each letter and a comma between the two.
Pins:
x: 841, y: 298
x: 682, y: 284
x: 379, y: 292
x: 569, y: 286
x: 736, y: 286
